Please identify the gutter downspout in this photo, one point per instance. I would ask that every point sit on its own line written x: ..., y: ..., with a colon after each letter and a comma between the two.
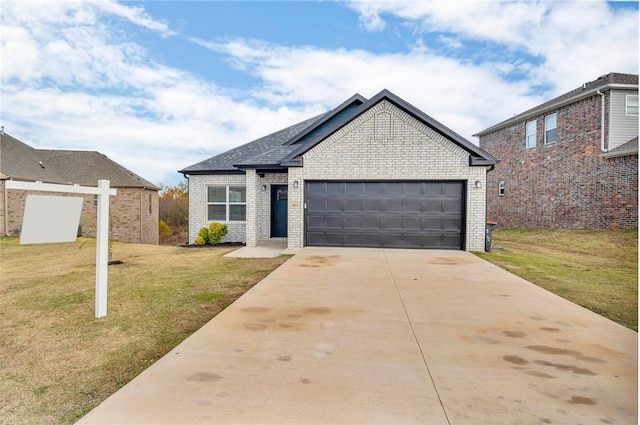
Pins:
x: 602, y: 121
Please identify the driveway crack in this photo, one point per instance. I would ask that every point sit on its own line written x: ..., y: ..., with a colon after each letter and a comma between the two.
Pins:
x: 424, y: 359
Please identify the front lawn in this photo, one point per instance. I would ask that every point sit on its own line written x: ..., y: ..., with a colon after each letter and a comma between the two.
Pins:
x: 595, y: 269
x: 57, y: 361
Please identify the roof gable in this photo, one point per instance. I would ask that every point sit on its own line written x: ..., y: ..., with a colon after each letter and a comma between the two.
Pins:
x: 477, y: 156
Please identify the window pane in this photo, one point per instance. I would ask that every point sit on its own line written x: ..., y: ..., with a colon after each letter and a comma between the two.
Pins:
x: 531, y: 134
x: 237, y: 194
x: 237, y: 212
x: 550, y: 121
x: 632, y: 105
x: 551, y: 136
x: 216, y: 194
x: 217, y: 212
x: 550, y: 132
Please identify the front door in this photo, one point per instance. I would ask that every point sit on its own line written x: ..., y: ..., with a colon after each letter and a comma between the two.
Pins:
x: 279, y: 211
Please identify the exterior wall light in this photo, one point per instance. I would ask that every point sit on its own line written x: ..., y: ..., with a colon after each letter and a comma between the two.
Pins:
x: 295, y: 184
x: 263, y: 188
x: 478, y: 184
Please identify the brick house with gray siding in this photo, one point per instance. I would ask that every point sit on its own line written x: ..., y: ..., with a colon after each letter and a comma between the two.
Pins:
x: 370, y: 173
x: 133, y: 211
x: 571, y: 162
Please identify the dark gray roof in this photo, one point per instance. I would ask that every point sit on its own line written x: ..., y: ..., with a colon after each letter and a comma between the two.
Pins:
x: 87, y: 167
x: 285, y: 147
x: 22, y: 162
x: 626, y: 149
x: 266, y: 150
x: 604, y: 82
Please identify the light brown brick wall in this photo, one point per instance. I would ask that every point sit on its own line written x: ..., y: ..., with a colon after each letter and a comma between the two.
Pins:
x: 129, y: 211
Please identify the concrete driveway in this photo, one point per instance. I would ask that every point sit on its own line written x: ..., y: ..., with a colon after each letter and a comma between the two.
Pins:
x: 376, y: 336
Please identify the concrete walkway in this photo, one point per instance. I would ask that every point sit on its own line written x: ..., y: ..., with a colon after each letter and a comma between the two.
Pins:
x: 375, y: 336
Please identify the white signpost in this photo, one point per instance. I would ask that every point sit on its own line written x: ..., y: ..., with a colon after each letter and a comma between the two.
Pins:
x: 102, y: 232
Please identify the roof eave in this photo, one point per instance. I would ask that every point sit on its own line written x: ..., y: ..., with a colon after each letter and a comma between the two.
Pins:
x: 617, y: 154
x: 535, y: 112
x: 475, y: 161
x: 206, y: 172
x: 259, y: 166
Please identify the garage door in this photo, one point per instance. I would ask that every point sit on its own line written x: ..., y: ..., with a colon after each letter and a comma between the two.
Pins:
x: 385, y: 214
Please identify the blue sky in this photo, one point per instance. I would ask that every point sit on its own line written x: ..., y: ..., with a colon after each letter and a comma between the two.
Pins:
x: 160, y: 85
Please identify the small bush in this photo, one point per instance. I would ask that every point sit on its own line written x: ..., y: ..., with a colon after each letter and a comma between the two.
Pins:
x: 164, y: 230
x: 216, y: 232
x: 211, y: 235
x: 204, y: 234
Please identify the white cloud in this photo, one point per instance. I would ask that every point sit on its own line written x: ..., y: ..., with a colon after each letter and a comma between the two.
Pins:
x: 72, y: 79
x: 577, y: 41
x: 74, y: 83
x: 465, y: 97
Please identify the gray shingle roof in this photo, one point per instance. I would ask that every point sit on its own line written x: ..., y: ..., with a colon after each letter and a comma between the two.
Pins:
x: 87, y: 167
x: 263, y: 151
x: 585, y: 90
x: 22, y: 162
x: 626, y: 149
x: 283, y: 148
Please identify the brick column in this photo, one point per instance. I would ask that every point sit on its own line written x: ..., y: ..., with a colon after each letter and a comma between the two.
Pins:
x: 295, y: 228
x: 252, y: 207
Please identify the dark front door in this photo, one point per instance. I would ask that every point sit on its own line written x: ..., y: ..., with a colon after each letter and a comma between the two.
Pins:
x: 279, y: 211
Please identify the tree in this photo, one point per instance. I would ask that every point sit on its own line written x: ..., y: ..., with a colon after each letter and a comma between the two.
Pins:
x: 174, y: 207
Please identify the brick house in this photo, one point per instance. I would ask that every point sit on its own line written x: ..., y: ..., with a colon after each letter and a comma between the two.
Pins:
x: 133, y: 211
x: 372, y: 172
x: 571, y: 162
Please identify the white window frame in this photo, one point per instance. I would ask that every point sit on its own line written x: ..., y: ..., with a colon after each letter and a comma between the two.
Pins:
x: 501, y: 188
x: 227, y: 203
x: 530, y: 138
x: 627, y: 105
x: 547, y: 129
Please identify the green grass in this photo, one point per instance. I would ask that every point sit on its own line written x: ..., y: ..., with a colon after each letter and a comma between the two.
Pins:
x: 57, y: 361
x: 595, y: 269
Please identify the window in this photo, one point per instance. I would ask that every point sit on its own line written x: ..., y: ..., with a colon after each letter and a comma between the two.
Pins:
x: 530, y: 134
x: 501, y: 188
x: 550, y: 128
x: 95, y: 200
x: 150, y: 199
x: 631, y: 107
x: 226, y: 203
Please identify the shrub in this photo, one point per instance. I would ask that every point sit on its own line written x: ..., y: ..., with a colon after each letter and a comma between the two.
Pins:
x: 216, y: 232
x: 204, y: 234
x: 211, y: 235
x: 164, y: 230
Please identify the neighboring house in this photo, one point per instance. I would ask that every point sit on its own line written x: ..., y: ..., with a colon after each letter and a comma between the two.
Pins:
x: 372, y: 172
x: 571, y: 162
x: 133, y: 211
